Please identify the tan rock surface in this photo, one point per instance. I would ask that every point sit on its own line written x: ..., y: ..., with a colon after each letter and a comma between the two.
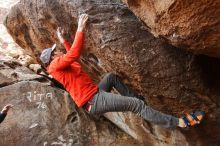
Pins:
x: 173, y: 81
x: 7, y: 45
x: 192, y: 25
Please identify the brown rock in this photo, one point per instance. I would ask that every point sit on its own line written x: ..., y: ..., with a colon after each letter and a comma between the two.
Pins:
x: 43, y: 115
x: 7, y: 45
x: 172, y: 80
x: 12, y: 71
x: 192, y: 25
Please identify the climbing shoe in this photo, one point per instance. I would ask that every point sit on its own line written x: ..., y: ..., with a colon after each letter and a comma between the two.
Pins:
x: 193, y: 119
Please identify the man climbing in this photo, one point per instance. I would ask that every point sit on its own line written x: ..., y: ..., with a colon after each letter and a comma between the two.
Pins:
x: 97, y: 100
x: 4, y: 112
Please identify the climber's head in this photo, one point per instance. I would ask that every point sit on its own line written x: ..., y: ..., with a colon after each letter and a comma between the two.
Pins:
x: 47, y: 55
x: 56, y: 53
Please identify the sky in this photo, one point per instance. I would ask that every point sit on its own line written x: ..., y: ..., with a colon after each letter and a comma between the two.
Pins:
x: 7, y: 3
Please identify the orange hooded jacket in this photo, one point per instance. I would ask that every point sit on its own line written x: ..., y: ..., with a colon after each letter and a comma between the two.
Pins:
x: 68, y: 72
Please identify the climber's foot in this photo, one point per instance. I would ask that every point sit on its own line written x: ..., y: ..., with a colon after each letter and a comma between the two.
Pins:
x: 190, y: 120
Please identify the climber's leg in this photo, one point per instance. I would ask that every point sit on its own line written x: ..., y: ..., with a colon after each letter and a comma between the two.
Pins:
x: 107, y: 102
x: 111, y: 80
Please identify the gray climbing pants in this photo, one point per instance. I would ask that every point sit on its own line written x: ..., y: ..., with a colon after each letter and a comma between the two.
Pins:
x: 104, y: 101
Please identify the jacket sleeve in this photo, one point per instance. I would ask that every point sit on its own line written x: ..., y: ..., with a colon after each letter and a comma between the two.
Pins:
x: 2, y: 116
x: 66, y: 45
x: 72, y: 55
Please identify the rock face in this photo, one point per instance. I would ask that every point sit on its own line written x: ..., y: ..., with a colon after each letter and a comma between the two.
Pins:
x: 173, y: 81
x: 192, y: 25
x: 12, y: 71
x: 7, y: 45
x: 44, y: 115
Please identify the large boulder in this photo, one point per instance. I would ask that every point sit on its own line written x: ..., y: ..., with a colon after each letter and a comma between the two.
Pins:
x: 45, y: 115
x: 173, y: 81
x: 192, y: 25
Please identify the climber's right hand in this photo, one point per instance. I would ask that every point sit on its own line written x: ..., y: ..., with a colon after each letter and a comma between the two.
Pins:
x: 82, y: 22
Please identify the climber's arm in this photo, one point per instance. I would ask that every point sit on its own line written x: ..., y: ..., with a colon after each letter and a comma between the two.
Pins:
x: 78, y: 37
x: 73, y: 52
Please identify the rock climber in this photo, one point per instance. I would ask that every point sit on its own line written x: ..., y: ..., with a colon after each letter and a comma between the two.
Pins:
x: 4, y: 112
x: 97, y: 99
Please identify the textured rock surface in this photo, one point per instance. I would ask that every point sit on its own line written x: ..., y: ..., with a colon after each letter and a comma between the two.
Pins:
x: 193, y: 25
x: 7, y: 45
x: 44, y: 115
x: 12, y: 71
x: 172, y: 80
